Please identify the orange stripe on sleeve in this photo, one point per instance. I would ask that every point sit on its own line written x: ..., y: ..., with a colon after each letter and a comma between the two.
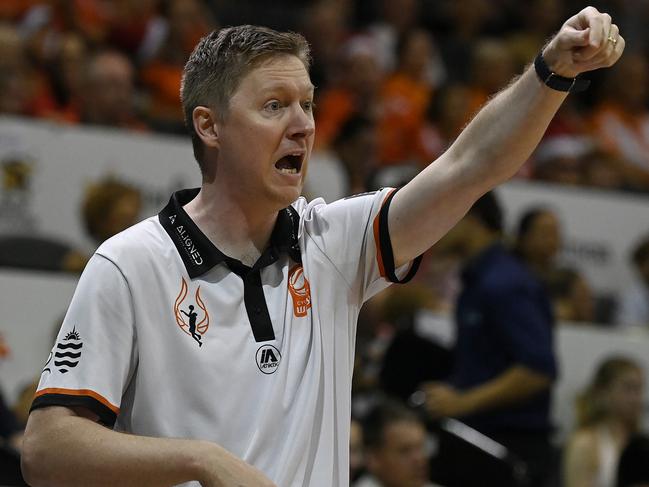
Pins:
x: 79, y: 392
x: 377, y: 239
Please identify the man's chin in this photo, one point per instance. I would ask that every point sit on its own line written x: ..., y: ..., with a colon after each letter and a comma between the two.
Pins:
x: 287, y: 196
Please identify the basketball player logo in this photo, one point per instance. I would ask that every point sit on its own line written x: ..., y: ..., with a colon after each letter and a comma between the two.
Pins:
x: 300, y: 291
x: 188, y: 323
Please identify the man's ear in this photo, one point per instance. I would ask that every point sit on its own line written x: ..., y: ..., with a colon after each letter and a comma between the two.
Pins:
x: 204, y: 120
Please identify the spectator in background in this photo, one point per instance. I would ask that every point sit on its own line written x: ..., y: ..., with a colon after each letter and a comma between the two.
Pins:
x: 608, y: 413
x: 405, y: 95
x: 538, y: 240
x: 445, y: 118
x: 355, y: 91
x: 634, y: 302
x: 536, y: 21
x: 492, y: 65
x: 504, y: 357
x: 131, y: 23
x: 603, y: 170
x: 325, y: 25
x: 574, y: 159
x: 560, y: 159
x: 187, y: 22
x: 110, y: 206
x: 92, y: 19
x: 633, y: 468
x: 621, y: 119
x: 395, y: 448
x: 22, y: 89
x: 346, y: 167
x: 66, y: 73
x: 109, y: 92
x: 465, y: 22
x: 572, y: 297
x: 396, y: 19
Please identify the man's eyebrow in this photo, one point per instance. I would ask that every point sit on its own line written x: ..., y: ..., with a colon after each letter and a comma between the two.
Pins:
x: 276, y: 87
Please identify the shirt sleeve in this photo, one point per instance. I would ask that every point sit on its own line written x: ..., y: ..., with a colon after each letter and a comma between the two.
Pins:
x: 95, y: 352
x: 524, y: 327
x: 353, y: 234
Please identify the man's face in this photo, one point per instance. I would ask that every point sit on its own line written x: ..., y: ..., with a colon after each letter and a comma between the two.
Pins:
x: 543, y: 241
x: 109, y: 95
x: 625, y: 396
x: 266, y: 138
x: 401, y: 461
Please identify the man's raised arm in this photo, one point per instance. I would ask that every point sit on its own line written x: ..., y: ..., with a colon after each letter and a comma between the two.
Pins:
x: 499, y: 139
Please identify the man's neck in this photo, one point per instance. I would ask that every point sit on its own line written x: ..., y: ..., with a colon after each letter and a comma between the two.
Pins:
x: 238, y: 232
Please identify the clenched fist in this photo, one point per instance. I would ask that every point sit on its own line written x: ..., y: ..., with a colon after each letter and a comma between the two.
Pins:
x: 587, y: 41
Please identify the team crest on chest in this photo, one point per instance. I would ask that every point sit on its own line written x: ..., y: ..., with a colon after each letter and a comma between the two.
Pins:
x: 300, y: 290
x: 194, y: 322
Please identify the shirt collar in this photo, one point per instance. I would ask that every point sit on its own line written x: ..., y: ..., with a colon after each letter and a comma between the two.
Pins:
x: 199, y: 254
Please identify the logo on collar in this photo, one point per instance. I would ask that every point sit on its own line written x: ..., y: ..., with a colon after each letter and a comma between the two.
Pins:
x: 300, y: 290
x: 187, y: 317
x: 187, y: 242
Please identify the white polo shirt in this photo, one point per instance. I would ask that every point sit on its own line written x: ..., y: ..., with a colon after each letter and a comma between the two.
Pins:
x: 168, y: 337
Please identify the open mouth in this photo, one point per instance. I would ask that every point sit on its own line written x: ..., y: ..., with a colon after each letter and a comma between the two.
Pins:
x: 289, y: 164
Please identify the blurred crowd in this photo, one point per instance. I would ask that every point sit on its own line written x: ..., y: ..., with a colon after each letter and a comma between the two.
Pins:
x: 407, y: 74
x: 396, y: 81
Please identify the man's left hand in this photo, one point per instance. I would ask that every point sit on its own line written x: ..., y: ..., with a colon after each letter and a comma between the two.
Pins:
x: 587, y: 41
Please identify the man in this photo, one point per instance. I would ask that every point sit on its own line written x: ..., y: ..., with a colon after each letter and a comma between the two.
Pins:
x: 504, y: 358
x: 279, y: 281
x: 109, y: 92
x: 395, y: 446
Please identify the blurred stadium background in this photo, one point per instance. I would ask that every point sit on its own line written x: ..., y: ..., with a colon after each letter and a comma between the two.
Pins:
x: 92, y: 140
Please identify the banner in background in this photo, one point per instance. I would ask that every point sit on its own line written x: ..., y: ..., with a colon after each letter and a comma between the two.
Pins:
x: 46, y: 169
x: 600, y: 228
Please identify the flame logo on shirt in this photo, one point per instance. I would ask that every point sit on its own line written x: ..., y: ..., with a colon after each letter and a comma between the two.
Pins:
x: 300, y: 290
x: 191, y: 326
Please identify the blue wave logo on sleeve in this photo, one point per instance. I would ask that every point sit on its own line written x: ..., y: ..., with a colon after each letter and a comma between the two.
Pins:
x: 68, y: 352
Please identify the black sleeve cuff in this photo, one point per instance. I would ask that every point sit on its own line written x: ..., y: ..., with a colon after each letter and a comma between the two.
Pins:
x: 385, y: 246
x: 106, y: 415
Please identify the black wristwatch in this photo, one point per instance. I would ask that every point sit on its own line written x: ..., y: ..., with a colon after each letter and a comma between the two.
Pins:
x: 558, y: 82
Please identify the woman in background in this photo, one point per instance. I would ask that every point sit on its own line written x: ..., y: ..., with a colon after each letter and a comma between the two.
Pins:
x: 608, y: 414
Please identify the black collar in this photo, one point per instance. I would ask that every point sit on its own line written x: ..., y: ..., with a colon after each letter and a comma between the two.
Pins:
x: 199, y: 254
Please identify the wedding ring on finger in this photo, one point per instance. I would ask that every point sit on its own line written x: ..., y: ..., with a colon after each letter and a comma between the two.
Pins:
x: 612, y: 39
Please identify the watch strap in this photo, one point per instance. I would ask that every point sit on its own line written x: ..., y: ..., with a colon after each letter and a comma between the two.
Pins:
x: 556, y: 81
